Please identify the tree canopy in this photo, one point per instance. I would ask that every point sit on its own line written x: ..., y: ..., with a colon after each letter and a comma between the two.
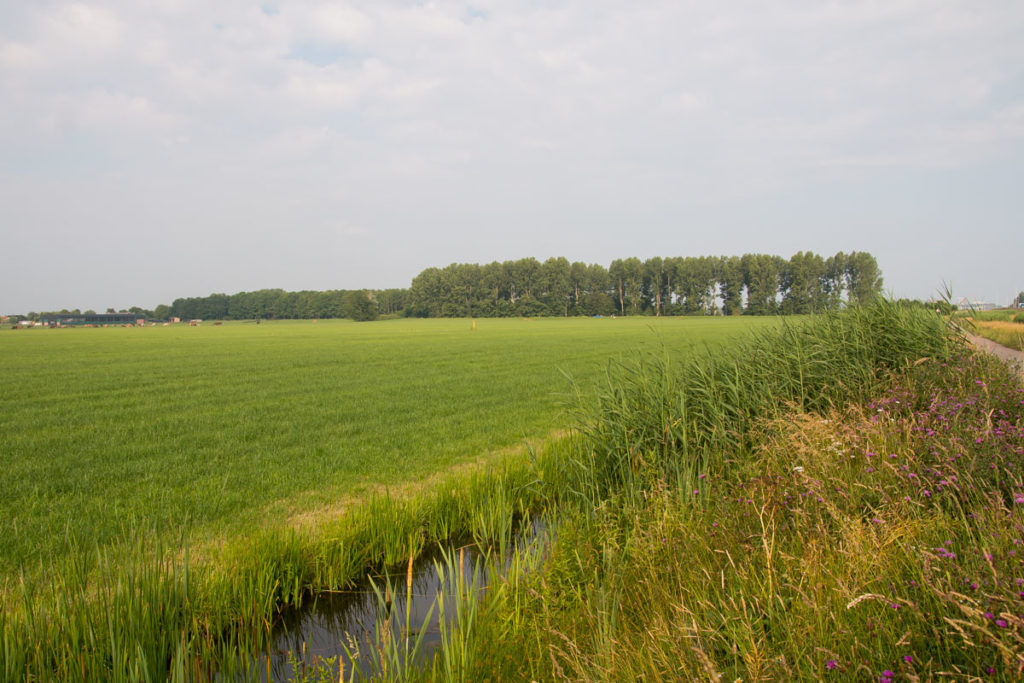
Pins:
x: 755, y: 284
x: 751, y: 284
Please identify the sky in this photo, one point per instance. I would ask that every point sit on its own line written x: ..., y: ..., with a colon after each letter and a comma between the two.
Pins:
x: 171, y: 148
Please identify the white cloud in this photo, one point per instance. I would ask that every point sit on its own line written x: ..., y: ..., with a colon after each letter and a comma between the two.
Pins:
x: 448, y: 115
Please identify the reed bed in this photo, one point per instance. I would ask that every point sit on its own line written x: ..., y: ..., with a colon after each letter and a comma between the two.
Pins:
x: 868, y: 529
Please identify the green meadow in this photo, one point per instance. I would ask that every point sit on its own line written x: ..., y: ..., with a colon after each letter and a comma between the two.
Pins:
x: 224, y: 429
x: 836, y: 498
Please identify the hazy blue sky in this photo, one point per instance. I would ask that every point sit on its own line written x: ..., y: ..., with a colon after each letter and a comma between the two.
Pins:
x: 151, y: 150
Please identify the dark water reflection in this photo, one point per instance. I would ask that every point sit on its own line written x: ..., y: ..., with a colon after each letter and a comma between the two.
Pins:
x: 345, y: 627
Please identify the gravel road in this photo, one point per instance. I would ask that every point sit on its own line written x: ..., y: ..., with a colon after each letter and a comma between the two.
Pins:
x: 1010, y: 356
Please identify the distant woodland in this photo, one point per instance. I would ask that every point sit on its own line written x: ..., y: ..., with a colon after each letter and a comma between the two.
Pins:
x: 756, y: 284
x: 752, y: 284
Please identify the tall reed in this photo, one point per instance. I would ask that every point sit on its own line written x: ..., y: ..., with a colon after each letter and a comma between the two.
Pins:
x: 672, y: 419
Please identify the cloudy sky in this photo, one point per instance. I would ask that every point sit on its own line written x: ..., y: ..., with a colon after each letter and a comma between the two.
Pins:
x: 152, y: 150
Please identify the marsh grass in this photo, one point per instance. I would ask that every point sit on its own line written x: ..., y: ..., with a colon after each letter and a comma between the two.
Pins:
x: 876, y: 536
x: 674, y: 419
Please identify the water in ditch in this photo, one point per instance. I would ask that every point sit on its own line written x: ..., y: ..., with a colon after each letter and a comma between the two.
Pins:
x: 341, y: 632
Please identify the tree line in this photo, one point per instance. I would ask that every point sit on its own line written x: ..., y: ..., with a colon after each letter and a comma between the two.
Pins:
x: 754, y: 284
x: 268, y: 304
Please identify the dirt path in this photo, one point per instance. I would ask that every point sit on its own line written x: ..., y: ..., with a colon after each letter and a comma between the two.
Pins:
x: 1009, y: 356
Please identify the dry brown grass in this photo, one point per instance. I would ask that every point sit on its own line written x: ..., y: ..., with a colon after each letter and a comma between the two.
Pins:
x: 1005, y: 333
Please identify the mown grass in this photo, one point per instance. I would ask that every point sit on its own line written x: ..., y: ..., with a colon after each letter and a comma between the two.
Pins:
x: 228, y: 428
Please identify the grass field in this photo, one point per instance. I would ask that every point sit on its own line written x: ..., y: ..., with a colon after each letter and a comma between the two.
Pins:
x: 835, y: 499
x: 228, y: 428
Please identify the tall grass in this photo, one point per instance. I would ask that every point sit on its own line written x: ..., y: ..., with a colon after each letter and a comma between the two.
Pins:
x: 859, y: 517
x: 675, y: 419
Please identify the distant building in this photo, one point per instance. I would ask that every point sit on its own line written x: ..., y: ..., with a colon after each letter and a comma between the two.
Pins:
x: 964, y: 304
x: 71, y: 320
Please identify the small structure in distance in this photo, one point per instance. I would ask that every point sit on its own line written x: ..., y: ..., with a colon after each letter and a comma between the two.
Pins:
x: 92, y: 319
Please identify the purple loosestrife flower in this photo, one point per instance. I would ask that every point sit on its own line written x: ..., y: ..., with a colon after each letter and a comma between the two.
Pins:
x: 1001, y: 623
x: 908, y: 659
x: 831, y: 664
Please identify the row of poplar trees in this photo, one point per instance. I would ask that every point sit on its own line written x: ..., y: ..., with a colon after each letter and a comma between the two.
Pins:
x: 755, y: 284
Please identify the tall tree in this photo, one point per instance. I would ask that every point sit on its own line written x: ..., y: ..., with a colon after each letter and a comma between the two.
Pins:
x: 556, y: 283
x: 657, y: 280
x: 425, y: 294
x: 360, y: 306
x: 863, y: 277
x: 800, y: 284
x: 761, y: 278
x: 730, y: 280
x: 832, y: 279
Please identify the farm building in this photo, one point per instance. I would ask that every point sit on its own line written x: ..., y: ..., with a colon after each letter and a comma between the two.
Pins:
x: 71, y: 320
x: 963, y: 303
